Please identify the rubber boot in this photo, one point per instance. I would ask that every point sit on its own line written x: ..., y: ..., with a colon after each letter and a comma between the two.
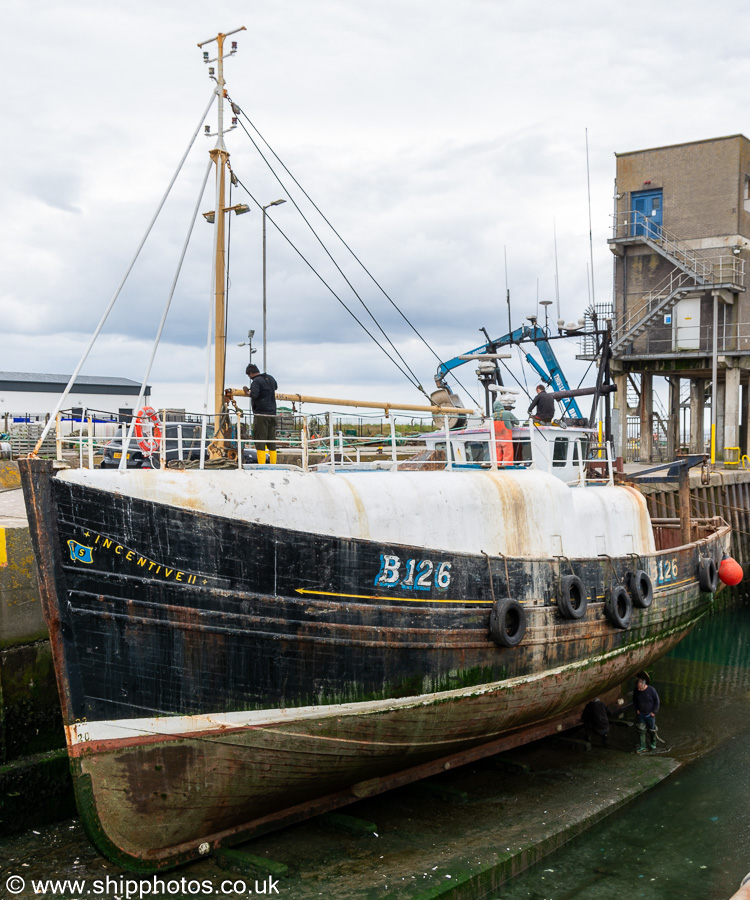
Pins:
x: 261, y: 457
x: 652, y: 740
x: 641, y: 738
x: 272, y: 457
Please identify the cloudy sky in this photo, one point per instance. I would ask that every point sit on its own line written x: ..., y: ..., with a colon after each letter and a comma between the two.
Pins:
x: 438, y: 136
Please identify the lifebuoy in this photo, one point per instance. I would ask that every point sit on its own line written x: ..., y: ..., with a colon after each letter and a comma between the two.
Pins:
x: 150, y: 417
x: 573, y: 600
x: 507, y: 622
x: 708, y: 576
x: 640, y: 588
x: 619, y: 607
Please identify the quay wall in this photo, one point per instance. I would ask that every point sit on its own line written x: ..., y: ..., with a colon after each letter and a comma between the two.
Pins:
x: 34, y: 777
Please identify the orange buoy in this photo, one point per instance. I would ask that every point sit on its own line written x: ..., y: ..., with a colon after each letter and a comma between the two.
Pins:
x: 730, y: 571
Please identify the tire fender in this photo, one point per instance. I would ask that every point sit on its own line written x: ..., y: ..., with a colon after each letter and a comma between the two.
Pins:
x: 619, y: 607
x: 572, y: 600
x: 708, y: 575
x: 640, y: 588
x: 507, y: 622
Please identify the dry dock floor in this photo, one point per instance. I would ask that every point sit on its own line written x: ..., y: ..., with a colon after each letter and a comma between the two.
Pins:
x: 463, y: 834
x: 460, y: 835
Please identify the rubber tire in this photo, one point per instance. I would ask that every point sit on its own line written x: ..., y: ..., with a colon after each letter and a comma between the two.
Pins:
x: 640, y: 588
x: 619, y: 607
x: 708, y: 575
x: 573, y: 599
x: 507, y: 622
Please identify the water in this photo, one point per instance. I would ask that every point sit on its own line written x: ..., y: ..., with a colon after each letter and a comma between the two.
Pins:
x: 688, y: 838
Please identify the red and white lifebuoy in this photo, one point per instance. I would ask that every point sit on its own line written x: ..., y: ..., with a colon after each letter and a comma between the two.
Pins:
x: 148, y: 429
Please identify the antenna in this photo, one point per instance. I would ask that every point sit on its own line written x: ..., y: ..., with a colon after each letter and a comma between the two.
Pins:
x: 591, y: 240
x: 507, y: 289
x: 557, y: 281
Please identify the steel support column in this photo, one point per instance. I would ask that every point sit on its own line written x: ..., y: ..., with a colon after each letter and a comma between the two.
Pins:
x: 697, y: 407
x: 673, y: 422
x: 647, y: 418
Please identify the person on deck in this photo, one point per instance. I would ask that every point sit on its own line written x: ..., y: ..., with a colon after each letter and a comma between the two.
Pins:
x: 544, y: 404
x: 502, y: 412
x: 646, y: 703
x: 262, y: 395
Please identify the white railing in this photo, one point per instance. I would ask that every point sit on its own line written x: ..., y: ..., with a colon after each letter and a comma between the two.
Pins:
x: 320, y: 443
x: 730, y: 338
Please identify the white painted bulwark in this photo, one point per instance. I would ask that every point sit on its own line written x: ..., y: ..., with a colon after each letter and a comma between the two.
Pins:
x: 518, y: 513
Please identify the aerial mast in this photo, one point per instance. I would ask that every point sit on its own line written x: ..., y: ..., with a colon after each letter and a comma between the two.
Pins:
x: 220, y: 156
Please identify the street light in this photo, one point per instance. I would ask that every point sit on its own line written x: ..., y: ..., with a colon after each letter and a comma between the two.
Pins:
x: 249, y: 343
x: 264, y: 208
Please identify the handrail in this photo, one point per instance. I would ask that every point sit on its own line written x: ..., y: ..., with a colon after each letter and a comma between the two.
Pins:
x: 372, y: 404
x: 669, y: 243
x: 669, y: 289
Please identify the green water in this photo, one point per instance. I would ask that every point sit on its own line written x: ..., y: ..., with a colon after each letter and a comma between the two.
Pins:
x: 689, y: 837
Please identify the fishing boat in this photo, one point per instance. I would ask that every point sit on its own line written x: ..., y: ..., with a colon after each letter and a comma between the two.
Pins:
x: 240, y: 647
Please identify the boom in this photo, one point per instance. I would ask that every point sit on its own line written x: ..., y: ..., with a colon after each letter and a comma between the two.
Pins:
x: 553, y: 374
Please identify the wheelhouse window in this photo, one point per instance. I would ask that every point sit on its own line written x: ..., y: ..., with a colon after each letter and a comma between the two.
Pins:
x: 477, y: 451
x: 560, y: 452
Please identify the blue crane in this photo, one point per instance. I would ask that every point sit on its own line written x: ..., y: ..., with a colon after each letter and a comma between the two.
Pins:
x: 526, y: 334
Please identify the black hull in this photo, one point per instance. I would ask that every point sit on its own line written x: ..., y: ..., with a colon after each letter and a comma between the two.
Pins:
x: 269, y: 618
x: 264, y: 668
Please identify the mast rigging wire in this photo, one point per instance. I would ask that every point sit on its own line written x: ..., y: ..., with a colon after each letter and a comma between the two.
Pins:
x: 330, y: 225
x: 108, y: 310
x: 327, y: 251
x: 239, y: 112
x: 411, y: 378
x: 142, y: 392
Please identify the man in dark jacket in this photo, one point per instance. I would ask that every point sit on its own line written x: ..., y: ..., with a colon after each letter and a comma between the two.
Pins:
x: 544, y: 404
x: 262, y: 395
x: 646, y: 703
x: 596, y: 720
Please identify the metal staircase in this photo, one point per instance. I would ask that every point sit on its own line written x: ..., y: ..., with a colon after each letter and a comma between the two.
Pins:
x: 693, y: 272
x: 657, y: 302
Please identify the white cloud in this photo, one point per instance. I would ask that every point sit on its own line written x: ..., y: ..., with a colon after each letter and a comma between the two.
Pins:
x: 438, y: 138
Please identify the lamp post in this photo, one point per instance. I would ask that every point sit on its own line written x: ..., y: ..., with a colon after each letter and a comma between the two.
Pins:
x: 264, y: 208
x: 249, y: 343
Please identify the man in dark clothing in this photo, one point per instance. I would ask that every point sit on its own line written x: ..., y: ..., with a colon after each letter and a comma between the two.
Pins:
x: 544, y: 404
x: 646, y: 703
x: 596, y: 720
x: 262, y: 395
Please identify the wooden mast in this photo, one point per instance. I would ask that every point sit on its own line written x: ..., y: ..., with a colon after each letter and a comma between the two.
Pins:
x: 220, y: 155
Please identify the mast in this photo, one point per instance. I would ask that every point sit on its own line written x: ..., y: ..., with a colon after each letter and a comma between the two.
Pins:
x: 219, y: 155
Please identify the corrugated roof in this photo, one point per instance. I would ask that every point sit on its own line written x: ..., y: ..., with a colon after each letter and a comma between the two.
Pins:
x: 81, y: 382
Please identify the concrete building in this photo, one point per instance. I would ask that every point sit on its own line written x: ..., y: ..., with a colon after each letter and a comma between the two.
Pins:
x: 681, y: 241
x: 30, y: 396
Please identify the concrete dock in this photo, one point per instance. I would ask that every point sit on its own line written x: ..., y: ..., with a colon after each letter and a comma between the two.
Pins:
x: 34, y: 778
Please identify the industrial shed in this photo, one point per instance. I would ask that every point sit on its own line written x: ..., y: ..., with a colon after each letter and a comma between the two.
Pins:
x: 32, y: 396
